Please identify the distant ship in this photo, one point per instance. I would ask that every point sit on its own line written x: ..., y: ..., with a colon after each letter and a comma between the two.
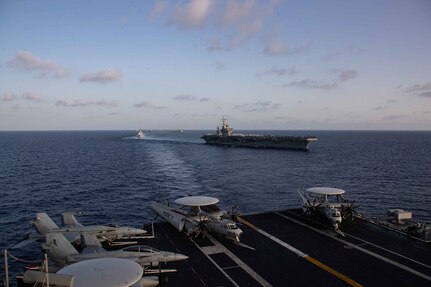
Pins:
x: 225, y: 136
x: 140, y: 134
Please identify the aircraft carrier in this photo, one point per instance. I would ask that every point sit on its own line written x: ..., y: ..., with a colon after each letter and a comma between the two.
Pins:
x: 285, y: 248
x: 224, y: 136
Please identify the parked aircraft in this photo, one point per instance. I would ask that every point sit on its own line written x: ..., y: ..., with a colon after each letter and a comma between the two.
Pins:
x: 198, y: 215
x: 315, y: 200
x: 107, y: 272
x: 63, y: 252
x: 71, y: 229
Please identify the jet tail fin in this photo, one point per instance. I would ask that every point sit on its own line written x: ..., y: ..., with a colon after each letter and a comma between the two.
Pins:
x: 69, y: 219
x: 59, y: 248
x: 91, y: 244
x: 43, y: 223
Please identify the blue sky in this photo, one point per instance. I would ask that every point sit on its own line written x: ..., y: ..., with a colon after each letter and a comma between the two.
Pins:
x: 72, y: 65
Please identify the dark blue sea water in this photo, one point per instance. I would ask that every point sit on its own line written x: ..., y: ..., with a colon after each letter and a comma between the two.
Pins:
x: 111, y: 176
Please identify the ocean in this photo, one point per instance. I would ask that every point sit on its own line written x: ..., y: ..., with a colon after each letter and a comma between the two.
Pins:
x: 111, y: 176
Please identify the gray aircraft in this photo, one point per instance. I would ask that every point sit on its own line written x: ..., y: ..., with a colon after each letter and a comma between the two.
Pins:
x: 63, y: 252
x: 72, y: 229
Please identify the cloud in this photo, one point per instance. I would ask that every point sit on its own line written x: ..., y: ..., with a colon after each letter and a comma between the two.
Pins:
x: 279, y: 49
x: 204, y: 115
x: 244, y: 19
x: 158, y: 9
x: 219, y: 66
x: 32, y: 97
x: 148, y: 105
x: 394, y: 117
x: 345, y: 75
x: 425, y: 94
x: 421, y: 90
x: 190, y: 98
x: 342, y: 76
x: 311, y: 84
x: 185, y: 98
x: 102, y: 77
x: 234, y: 22
x: 418, y: 88
x: 84, y: 103
x: 278, y: 72
x: 378, y: 108
x: 9, y: 97
x: 191, y: 14
x: 258, y: 106
x: 26, y: 61
x: 341, y: 52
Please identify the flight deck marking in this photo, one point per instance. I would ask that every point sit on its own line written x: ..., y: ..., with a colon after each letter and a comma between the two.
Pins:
x: 215, y: 264
x: 387, y: 260
x: 303, y: 255
x: 238, y: 261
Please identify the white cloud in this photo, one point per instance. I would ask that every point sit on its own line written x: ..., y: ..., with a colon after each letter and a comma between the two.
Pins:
x: 394, y: 117
x: 26, y: 61
x: 103, y: 77
x: 258, y: 106
x: 190, y: 98
x: 159, y: 8
x: 418, y: 88
x: 235, y: 22
x: 191, y: 14
x: 311, y: 84
x: 32, y: 97
x: 9, y: 97
x: 278, y: 72
x: 84, y: 103
x: 279, y: 49
x: 345, y: 75
x: 146, y: 104
x: 185, y: 98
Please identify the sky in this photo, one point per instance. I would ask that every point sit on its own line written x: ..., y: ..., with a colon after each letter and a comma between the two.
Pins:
x: 273, y: 64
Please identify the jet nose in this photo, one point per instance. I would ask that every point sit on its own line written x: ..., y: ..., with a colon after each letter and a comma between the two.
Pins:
x: 179, y: 256
x: 140, y: 231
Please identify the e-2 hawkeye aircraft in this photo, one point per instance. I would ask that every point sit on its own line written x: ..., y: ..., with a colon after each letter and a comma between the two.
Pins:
x: 315, y: 200
x: 63, y: 252
x: 106, y: 272
x: 198, y: 215
x: 72, y: 229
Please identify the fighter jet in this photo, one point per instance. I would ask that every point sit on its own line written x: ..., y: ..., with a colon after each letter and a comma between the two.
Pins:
x: 63, y: 252
x: 72, y: 229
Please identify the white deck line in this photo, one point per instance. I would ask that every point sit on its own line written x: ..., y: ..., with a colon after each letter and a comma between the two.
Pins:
x: 245, y: 267
x: 399, y: 265
x: 215, y: 264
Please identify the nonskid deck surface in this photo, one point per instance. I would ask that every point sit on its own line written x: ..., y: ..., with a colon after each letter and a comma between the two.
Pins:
x: 286, y: 249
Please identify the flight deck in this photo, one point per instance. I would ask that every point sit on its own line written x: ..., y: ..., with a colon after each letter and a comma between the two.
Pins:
x: 285, y: 248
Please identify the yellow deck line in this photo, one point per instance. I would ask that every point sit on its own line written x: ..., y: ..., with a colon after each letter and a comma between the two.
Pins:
x: 303, y: 255
x: 332, y: 271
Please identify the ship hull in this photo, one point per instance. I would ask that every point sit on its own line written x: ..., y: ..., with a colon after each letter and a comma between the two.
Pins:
x: 272, y: 142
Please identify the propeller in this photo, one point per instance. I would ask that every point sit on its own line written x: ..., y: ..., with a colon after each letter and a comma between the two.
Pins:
x: 234, y: 213
x: 348, y: 209
x: 201, y: 227
x: 311, y: 209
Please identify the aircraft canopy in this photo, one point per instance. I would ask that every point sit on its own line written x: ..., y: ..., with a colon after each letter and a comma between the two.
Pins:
x: 325, y: 190
x: 196, y: 200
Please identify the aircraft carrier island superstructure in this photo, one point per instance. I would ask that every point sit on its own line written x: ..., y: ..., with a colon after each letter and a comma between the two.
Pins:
x: 224, y: 136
